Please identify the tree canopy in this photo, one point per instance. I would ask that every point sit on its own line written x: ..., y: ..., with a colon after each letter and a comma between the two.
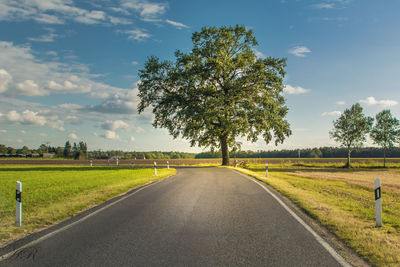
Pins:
x: 351, y: 128
x: 217, y: 92
x: 386, y: 131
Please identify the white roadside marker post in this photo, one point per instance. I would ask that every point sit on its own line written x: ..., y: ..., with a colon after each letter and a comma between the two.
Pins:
x: 117, y: 162
x: 91, y: 163
x: 378, y: 202
x: 168, y: 165
x: 236, y: 162
x: 155, y: 168
x: 18, y: 198
x: 266, y: 169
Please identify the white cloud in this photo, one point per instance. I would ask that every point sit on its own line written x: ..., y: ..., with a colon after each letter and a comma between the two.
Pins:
x: 48, y: 19
x: 5, y: 79
x: 132, y: 139
x: 58, y: 12
x: 95, y: 134
x: 136, y: 34
x: 102, y: 95
x: 324, y: 5
x: 26, y: 117
x: 120, y: 10
x: 91, y: 17
x: 30, y: 88
x: 68, y: 87
x: 145, y: 9
x: 3, y: 131
x: 300, y: 51
x: 341, y: 103
x: 258, y: 54
x: 371, y: 101
x: 114, y: 125
x: 49, y: 77
x: 56, y: 124
x: 332, y: 113
x: 70, y: 107
x: 43, y: 134
x: 52, y: 53
x: 296, y: 90
x: 116, y: 21
x: 46, y: 38
x: 176, y: 24
x: 123, y: 102
x: 139, y: 130
x: 111, y: 135
x: 19, y: 141
x: 23, y: 131
x: 34, y: 118
x: 334, y: 19
x: 134, y: 63
x: 73, y: 136
x: 13, y: 115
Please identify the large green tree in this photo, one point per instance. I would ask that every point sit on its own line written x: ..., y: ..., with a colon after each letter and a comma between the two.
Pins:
x: 217, y: 92
x: 351, y: 128
x: 386, y: 131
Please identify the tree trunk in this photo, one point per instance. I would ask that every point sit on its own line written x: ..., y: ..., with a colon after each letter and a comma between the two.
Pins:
x: 348, y: 158
x: 225, y: 151
x: 384, y: 157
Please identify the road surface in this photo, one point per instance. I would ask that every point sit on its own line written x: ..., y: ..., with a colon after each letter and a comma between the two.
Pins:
x: 200, y: 217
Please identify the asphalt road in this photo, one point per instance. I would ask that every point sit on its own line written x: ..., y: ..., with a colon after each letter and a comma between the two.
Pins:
x: 200, y: 217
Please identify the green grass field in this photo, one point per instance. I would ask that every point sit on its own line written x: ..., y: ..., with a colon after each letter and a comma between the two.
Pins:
x: 53, y: 193
x: 343, y: 201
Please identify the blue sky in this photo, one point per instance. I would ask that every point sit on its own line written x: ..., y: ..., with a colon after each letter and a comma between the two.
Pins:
x: 68, y: 69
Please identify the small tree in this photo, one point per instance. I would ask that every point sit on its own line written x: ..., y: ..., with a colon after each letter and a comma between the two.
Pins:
x: 67, y: 149
x: 351, y: 128
x: 75, y: 151
x: 25, y: 150
x: 217, y: 92
x: 386, y: 131
x: 3, y: 149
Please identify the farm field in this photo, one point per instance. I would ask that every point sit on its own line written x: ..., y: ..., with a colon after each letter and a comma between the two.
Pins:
x: 199, y: 162
x: 343, y: 201
x: 53, y: 193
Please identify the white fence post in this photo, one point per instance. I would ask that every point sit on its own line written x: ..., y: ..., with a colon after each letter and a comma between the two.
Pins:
x: 118, y: 162
x: 236, y: 162
x: 91, y: 163
x: 155, y: 168
x: 266, y: 169
x: 378, y: 202
x: 168, y: 165
x: 18, y: 198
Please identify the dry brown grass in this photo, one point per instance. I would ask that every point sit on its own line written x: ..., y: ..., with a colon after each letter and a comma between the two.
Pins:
x: 343, y: 201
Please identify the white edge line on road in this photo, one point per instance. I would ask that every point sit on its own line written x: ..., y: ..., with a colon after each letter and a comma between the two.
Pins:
x: 320, y: 240
x: 5, y: 256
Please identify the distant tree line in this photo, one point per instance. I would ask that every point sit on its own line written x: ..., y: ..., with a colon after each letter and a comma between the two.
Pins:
x: 76, y: 151
x: 79, y: 151
x: 321, y: 152
x: 140, y: 155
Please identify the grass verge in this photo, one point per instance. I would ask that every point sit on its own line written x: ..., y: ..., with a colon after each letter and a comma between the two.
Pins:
x: 343, y: 201
x: 53, y: 193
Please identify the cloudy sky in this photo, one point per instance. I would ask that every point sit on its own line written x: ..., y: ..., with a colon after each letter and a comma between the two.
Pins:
x: 69, y: 68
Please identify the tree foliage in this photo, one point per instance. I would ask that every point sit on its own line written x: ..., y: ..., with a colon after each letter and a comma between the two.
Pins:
x: 351, y: 128
x: 217, y: 92
x: 386, y: 131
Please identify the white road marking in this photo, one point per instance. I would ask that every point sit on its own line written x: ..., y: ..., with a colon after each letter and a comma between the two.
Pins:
x: 320, y: 240
x: 5, y: 256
